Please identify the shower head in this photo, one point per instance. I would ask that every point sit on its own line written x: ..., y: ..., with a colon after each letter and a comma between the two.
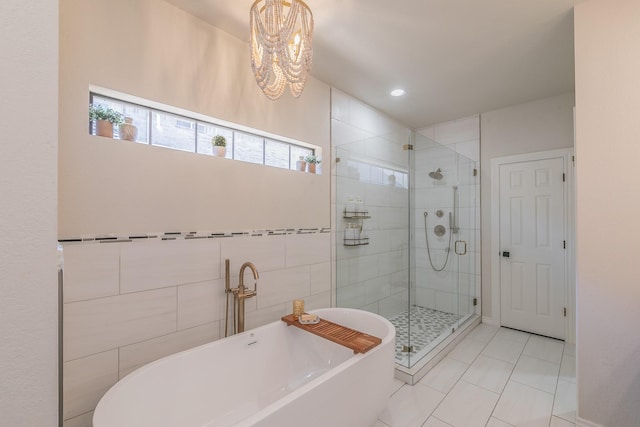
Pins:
x: 436, y: 174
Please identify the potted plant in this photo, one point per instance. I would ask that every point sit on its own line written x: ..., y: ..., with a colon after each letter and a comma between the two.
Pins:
x: 312, y: 161
x: 105, y: 118
x: 219, y: 144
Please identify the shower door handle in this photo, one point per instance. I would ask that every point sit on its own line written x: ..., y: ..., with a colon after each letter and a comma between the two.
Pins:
x: 464, y: 251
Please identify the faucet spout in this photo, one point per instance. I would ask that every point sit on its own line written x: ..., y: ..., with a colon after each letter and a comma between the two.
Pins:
x: 241, y: 293
x: 256, y: 276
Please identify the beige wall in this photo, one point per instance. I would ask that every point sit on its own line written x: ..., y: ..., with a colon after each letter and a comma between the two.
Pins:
x: 150, y: 49
x: 541, y: 125
x: 608, y: 149
x: 28, y: 174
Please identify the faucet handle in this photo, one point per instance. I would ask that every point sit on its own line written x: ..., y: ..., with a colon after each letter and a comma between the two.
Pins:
x: 255, y: 290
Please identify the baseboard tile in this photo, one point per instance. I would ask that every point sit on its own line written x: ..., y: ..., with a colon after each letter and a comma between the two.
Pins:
x: 489, y: 321
x: 581, y: 422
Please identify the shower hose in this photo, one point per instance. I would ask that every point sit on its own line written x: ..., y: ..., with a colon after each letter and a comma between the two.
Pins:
x: 426, y: 237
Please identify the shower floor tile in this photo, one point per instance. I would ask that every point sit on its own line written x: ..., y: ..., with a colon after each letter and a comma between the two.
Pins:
x: 419, y: 328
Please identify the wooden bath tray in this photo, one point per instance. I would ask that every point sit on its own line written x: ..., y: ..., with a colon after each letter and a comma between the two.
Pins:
x: 350, y: 338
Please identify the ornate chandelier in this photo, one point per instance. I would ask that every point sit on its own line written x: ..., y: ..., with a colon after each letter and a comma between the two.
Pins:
x: 281, y: 52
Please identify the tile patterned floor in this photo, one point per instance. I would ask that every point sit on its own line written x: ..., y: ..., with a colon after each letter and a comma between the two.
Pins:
x: 425, y: 326
x: 495, y: 377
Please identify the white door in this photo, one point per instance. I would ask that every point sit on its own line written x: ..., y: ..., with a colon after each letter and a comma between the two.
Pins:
x: 532, y: 246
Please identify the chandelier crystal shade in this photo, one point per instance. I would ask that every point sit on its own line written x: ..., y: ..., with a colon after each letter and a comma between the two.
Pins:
x: 281, y: 52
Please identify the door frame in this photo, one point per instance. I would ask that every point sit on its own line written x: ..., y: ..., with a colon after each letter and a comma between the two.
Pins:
x: 569, y: 224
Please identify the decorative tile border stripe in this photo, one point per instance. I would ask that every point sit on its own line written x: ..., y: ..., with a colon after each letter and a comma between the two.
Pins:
x: 191, y: 235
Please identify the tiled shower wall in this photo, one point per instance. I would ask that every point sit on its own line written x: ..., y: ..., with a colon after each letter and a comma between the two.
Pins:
x: 454, y: 148
x: 372, y: 165
x: 129, y: 303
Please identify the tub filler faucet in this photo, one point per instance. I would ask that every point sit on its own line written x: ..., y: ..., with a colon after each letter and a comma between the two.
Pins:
x: 240, y: 294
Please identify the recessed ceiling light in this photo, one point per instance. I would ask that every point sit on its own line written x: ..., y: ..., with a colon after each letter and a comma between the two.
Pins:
x: 398, y: 92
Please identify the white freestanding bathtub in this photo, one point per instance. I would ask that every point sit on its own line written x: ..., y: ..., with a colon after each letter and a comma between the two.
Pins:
x: 272, y: 376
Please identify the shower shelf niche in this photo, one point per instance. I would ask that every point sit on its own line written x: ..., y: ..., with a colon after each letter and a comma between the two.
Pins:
x: 356, y: 242
x: 356, y: 215
x: 354, y: 220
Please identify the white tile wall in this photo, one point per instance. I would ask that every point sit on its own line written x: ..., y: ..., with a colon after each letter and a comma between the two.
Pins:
x: 267, y: 253
x: 445, y: 301
x: 86, y: 380
x: 339, y: 106
x: 387, y: 261
x: 463, y: 135
x: 387, y: 150
x: 399, y: 281
x: 377, y: 289
x: 469, y: 149
x: 200, y: 303
x: 308, y: 249
x: 267, y: 315
x: 395, y: 304
x: 320, y: 278
x: 101, y: 324
x: 92, y: 271
x: 380, y: 241
x: 425, y: 297
x: 129, y: 303
x: 315, y: 301
x: 149, y: 265
x: 283, y: 286
x: 363, y: 268
x: 351, y: 296
x: 136, y: 355
x: 457, y: 130
x: 84, y: 420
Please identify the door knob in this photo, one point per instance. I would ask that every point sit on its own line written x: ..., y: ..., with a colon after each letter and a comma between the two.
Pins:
x: 505, y: 254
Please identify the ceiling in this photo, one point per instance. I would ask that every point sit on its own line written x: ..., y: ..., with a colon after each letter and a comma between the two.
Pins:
x: 454, y: 58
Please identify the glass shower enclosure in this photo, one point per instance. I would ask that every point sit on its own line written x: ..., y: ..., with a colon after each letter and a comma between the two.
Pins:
x: 407, y: 228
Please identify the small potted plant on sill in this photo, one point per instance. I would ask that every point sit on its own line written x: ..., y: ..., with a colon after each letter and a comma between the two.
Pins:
x: 312, y: 161
x: 219, y: 145
x: 105, y: 118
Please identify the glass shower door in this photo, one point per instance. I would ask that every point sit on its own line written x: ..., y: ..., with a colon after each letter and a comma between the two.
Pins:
x: 406, y: 228
x: 434, y: 288
x: 442, y: 279
x: 468, y: 233
x: 372, y: 220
